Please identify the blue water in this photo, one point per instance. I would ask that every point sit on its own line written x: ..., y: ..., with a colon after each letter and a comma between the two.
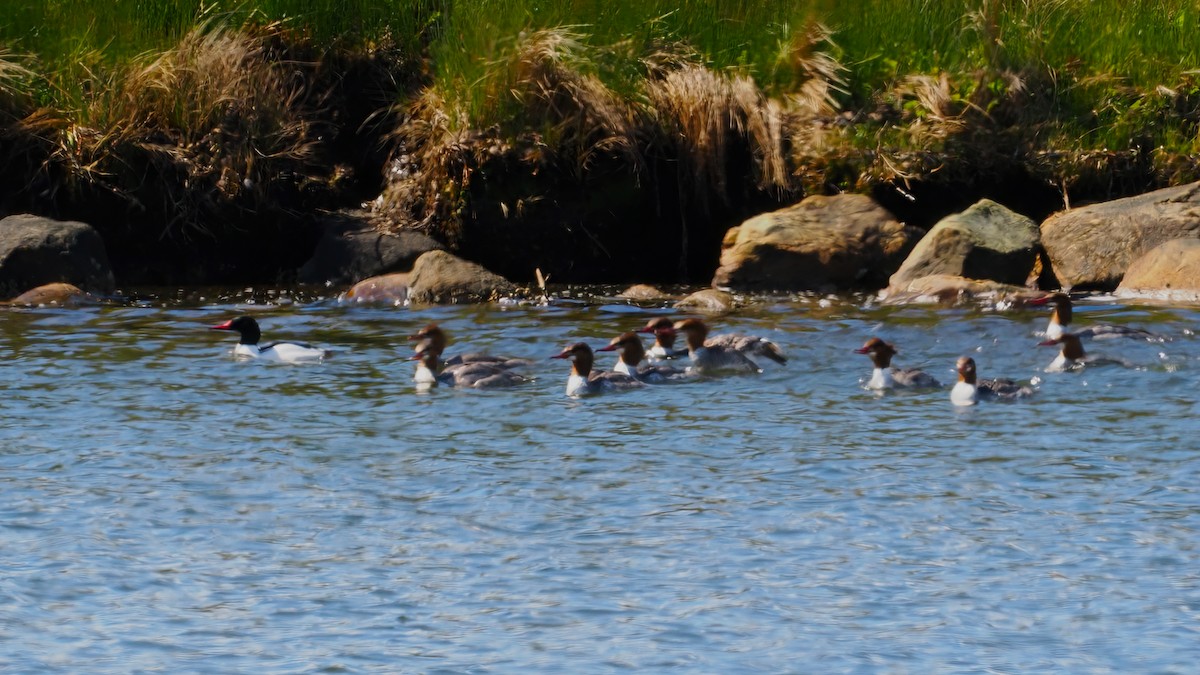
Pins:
x: 165, y: 508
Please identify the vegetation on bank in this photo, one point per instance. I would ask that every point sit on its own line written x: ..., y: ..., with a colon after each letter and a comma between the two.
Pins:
x: 186, y: 120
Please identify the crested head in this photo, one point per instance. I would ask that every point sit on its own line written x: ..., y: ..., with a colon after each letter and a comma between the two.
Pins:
x: 581, y: 357
x: 694, y: 331
x: 966, y: 369
x: 881, y: 352
x: 434, y: 334
x: 245, y: 326
x: 656, y: 324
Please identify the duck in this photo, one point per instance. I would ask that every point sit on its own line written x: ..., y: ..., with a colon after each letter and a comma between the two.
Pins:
x: 1060, y: 322
x: 463, y: 376
x: 751, y: 345
x: 584, y: 381
x: 629, y: 362
x: 968, y: 390
x: 663, y: 331
x: 438, y: 340
x: 283, y: 352
x: 711, y: 359
x: 886, y: 376
x: 1071, y: 355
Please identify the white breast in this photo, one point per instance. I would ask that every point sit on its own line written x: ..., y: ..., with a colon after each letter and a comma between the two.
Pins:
x: 881, y: 378
x: 964, y: 394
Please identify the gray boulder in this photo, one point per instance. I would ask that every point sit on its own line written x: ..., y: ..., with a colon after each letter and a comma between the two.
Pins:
x: 822, y: 243
x: 351, y: 249
x: 35, y: 251
x: 1092, y: 246
x: 986, y: 241
x: 439, y: 277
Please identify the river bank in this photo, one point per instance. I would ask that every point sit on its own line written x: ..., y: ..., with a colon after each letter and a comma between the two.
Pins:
x: 228, y: 153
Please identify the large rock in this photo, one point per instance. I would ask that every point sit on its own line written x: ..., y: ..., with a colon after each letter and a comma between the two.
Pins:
x: 822, y: 243
x: 440, y: 277
x: 987, y: 241
x: 390, y: 289
x: 709, y: 301
x: 351, y: 250
x: 1170, y: 271
x: 950, y: 289
x: 35, y: 251
x: 57, y: 293
x: 1092, y: 246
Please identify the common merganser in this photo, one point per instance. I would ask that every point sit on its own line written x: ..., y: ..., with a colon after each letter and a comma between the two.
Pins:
x: 629, y: 361
x: 664, y: 339
x: 284, y: 352
x: 706, y: 359
x: 1060, y: 322
x: 469, y: 375
x: 1071, y: 355
x: 750, y: 345
x: 886, y: 376
x: 967, y: 390
x: 583, y: 381
x: 438, y: 341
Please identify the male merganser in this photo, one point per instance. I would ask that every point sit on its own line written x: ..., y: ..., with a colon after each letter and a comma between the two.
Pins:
x: 469, y: 375
x: 285, y: 352
x: 1060, y: 322
x: 438, y: 340
x: 629, y: 362
x: 967, y: 390
x: 1072, y: 356
x: 750, y: 345
x: 583, y: 381
x: 886, y: 376
x: 706, y: 359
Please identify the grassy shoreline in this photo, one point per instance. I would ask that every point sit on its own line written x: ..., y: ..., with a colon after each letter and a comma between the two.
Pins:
x: 189, y: 123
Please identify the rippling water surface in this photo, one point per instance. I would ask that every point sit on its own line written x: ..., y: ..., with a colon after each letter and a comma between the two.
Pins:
x: 166, y: 508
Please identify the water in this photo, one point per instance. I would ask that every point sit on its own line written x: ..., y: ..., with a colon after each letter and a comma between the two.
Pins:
x: 168, y: 509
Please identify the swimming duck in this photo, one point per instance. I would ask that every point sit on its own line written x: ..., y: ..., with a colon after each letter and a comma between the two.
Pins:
x: 631, y: 355
x: 750, y: 345
x: 706, y: 359
x: 1060, y: 322
x: 886, y: 376
x: 283, y: 352
x: 583, y: 381
x: 967, y: 391
x: 438, y: 341
x: 463, y: 375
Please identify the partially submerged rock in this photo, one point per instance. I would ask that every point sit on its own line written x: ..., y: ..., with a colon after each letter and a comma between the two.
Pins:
x: 1093, y: 246
x: 351, y: 249
x: 986, y: 241
x: 439, y: 277
x: 57, y: 293
x: 708, y: 300
x: 386, y: 288
x: 36, y: 251
x: 644, y: 293
x: 949, y: 289
x: 822, y: 243
x: 1169, y: 271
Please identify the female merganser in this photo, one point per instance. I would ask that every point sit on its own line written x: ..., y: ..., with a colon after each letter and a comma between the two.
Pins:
x: 584, y: 381
x: 967, y: 390
x: 1060, y: 322
x: 438, y: 340
x: 706, y: 359
x: 750, y: 345
x: 664, y: 339
x: 629, y: 362
x: 1072, y: 356
x: 285, y: 352
x: 885, y: 376
x: 469, y: 375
